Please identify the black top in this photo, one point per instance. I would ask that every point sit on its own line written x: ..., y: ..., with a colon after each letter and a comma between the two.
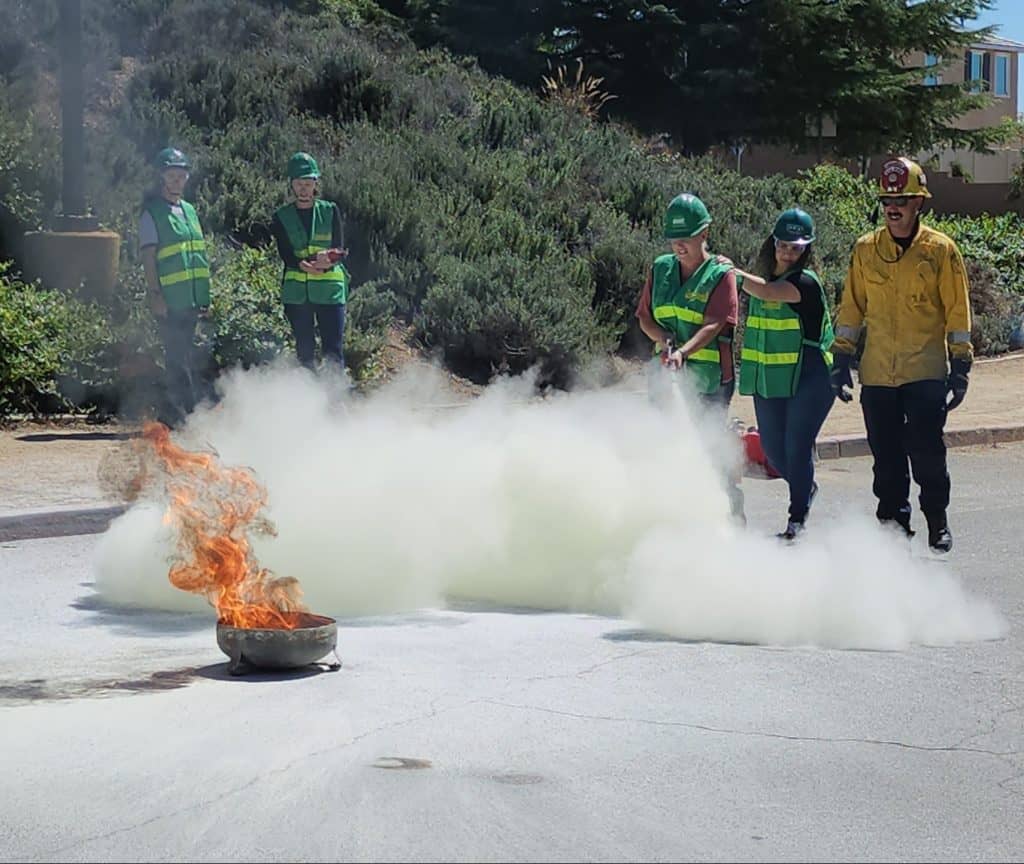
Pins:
x: 904, y: 242
x: 284, y: 245
x: 809, y: 307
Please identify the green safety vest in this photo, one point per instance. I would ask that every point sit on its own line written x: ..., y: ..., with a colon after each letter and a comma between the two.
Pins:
x: 181, y: 263
x: 773, y: 345
x: 678, y: 307
x: 330, y: 287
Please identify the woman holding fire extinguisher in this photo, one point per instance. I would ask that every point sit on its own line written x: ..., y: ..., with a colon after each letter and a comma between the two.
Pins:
x: 785, y: 361
x: 314, y: 287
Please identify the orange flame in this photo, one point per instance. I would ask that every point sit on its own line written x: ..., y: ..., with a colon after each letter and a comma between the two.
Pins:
x: 213, y: 509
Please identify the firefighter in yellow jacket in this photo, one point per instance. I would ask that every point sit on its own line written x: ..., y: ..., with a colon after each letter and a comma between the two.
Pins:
x: 906, y: 295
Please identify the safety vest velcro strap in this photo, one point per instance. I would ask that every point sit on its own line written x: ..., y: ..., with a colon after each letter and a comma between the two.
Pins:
x: 185, y: 276
x: 787, y: 358
x: 178, y: 248
x: 758, y: 322
x: 958, y: 336
x: 851, y: 333
x: 680, y: 312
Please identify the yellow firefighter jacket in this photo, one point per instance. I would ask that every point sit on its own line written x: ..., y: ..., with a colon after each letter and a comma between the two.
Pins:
x: 909, y: 305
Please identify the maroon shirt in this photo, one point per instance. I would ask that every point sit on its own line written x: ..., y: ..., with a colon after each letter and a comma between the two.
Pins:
x: 722, y: 308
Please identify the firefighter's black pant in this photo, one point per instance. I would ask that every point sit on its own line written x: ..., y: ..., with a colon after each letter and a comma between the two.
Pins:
x: 904, y: 423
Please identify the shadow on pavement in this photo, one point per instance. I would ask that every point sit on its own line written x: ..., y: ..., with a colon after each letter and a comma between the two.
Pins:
x: 219, y: 672
x: 130, y: 621
x: 636, y: 635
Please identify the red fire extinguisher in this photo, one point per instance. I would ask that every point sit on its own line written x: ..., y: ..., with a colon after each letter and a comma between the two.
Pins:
x: 754, y: 453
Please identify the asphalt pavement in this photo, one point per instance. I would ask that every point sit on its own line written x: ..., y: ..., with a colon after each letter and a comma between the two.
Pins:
x: 482, y: 733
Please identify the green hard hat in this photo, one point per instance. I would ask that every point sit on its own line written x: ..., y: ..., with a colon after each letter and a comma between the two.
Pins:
x: 301, y: 166
x: 794, y: 226
x: 171, y: 157
x: 685, y: 217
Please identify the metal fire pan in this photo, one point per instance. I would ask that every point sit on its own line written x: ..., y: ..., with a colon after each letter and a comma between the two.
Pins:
x: 272, y: 648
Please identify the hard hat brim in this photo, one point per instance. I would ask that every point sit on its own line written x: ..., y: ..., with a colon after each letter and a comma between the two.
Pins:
x: 682, y: 235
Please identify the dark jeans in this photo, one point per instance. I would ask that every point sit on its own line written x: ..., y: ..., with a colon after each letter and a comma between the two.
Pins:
x: 329, y: 319
x: 178, y: 330
x: 790, y: 426
x: 906, y: 423
x: 717, y: 405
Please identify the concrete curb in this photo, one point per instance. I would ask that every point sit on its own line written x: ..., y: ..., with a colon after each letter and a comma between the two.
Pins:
x: 39, y: 525
x: 843, y: 446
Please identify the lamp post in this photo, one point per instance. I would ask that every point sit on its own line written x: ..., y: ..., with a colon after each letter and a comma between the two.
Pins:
x: 72, y: 101
x: 76, y: 256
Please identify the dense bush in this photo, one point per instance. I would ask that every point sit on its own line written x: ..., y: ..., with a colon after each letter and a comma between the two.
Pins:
x: 47, y: 339
x: 510, y: 231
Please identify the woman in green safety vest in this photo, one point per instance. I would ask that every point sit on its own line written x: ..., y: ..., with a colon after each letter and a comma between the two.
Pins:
x: 314, y: 286
x: 785, y: 362
x: 688, y: 308
x: 173, y: 253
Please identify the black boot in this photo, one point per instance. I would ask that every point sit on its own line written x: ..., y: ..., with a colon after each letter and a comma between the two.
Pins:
x: 940, y: 538
x: 793, y: 529
x: 899, y: 516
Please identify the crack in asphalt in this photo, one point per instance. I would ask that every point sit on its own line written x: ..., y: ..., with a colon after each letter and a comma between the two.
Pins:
x: 579, y: 673
x: 84, y: 841
x: 702, y: 727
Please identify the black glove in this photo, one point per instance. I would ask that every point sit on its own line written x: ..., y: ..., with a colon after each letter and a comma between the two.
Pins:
x: 841, y: 377
x: 956, y: 382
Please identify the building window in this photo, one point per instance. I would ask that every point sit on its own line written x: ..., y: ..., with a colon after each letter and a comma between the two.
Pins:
x: 931, y: 79
x: 1001, y: 79
x: 974, y: 70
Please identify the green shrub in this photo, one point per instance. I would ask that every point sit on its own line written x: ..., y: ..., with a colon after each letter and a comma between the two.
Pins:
x: 509, y: 230
x: 46, y: 338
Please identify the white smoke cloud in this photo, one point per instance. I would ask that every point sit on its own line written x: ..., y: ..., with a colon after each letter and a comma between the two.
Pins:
x: 592, y: 501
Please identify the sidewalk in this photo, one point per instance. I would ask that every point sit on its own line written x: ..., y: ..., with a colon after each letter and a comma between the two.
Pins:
x: 992, y: 413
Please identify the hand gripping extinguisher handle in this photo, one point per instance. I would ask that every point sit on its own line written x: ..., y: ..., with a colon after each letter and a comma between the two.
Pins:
x: 670, y: 346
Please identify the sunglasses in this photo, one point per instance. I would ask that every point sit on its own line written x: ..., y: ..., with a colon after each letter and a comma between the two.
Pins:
x: 895, y: 200
x: 785, y: 246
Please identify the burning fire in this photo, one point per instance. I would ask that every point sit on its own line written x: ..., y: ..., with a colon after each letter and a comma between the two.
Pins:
x: 213, y: 509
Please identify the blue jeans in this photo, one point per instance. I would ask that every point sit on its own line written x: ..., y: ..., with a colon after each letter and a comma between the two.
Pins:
x: 789, y: 427
x: 306, y: 319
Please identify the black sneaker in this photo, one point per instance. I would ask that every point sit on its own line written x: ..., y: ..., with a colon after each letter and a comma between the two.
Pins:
x: 792, y: 530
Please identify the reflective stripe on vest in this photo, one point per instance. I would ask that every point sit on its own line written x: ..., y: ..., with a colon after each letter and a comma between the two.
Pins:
x: 298, y: 286
x: 773, y: 345
x: 181, y: 264
x: 679, y: 307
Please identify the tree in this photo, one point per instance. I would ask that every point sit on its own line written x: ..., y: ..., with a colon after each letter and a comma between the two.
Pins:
x: 506, y: 36
x: 714, y: 71
x: 850, y: 64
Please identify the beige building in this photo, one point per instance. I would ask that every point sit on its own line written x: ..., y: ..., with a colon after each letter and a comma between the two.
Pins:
x: 963, y: 181
x: 993, y: 64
